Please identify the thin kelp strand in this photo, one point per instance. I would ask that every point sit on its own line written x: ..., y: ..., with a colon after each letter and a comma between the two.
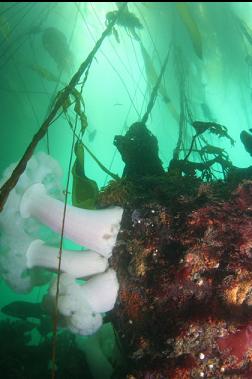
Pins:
x: 155, y: 89
x: 22, y: 38
x: 63, y: 96
x: 115, y: 152
x: 137, y: 61
x: 17, y: 25
x: 56, y: 315
x: 112, y: 66
x: 11, y: 7
x: 107, y: 171
x: 27, y: 95
x: 116, y: 52
x: 143, y: 19
x: 9, y: 90
x: 113, y: 46
x: 149, y: 32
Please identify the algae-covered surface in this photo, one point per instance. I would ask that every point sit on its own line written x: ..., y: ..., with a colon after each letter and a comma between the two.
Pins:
x: 126, y: 132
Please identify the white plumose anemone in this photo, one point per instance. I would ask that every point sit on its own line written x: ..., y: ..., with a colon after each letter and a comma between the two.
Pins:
x: 95, y: 229
x: 17, y: 233
x: 36, y: 200
x: 74, y: 305
x: 79, y: 264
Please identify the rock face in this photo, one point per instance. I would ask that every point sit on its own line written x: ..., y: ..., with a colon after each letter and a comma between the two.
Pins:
x: 184, y: 308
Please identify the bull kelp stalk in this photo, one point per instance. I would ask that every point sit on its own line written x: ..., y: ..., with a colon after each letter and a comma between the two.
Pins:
x: 115, y: 177
x: 182, y: 120
x: 185, y: 113
x: 108, y: 172
x: 155, y: 90
x: 56, y: 315
x: 60, y: 99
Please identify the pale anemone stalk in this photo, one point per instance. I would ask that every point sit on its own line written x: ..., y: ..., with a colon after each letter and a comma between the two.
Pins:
x: 101, y: 290
x: 79, y: 264
x: 95, y: 229
x: 81, y: 306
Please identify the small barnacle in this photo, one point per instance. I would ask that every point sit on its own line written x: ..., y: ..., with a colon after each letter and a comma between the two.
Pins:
x: 201, y: 356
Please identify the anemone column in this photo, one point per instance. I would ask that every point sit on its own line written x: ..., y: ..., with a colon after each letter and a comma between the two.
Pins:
x: 95, y: 229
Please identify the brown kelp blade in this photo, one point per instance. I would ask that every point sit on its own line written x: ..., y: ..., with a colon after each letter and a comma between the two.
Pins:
x: 191, y: 26
x: 152, y: 78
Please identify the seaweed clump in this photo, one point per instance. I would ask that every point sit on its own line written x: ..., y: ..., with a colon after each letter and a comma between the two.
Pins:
x: 167, y: 190
x: 139, y: 151
x: 145, y: 180
x: 21, y: 360
x: 183, y: 261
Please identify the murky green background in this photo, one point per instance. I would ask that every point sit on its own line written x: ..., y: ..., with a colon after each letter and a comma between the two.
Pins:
x: 118, y: 87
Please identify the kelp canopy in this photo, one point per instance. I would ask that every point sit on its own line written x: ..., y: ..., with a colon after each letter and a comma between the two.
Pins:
x: 201, y: 43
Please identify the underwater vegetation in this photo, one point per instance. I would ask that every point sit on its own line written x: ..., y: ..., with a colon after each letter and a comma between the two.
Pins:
x: 246, y: 139
x: 175, y: 251
x: 21, y: 360
x: 84, y: 188
x: 126, y: 19
x: 191, y: 26
x: 163, y: 250
x: 139, y: 152
x: 183, y: 262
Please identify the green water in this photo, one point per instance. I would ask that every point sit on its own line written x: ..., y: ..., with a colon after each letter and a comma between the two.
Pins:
x: 118, y: 88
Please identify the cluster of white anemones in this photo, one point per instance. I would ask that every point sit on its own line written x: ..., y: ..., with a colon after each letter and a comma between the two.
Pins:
x: 25, y: 253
